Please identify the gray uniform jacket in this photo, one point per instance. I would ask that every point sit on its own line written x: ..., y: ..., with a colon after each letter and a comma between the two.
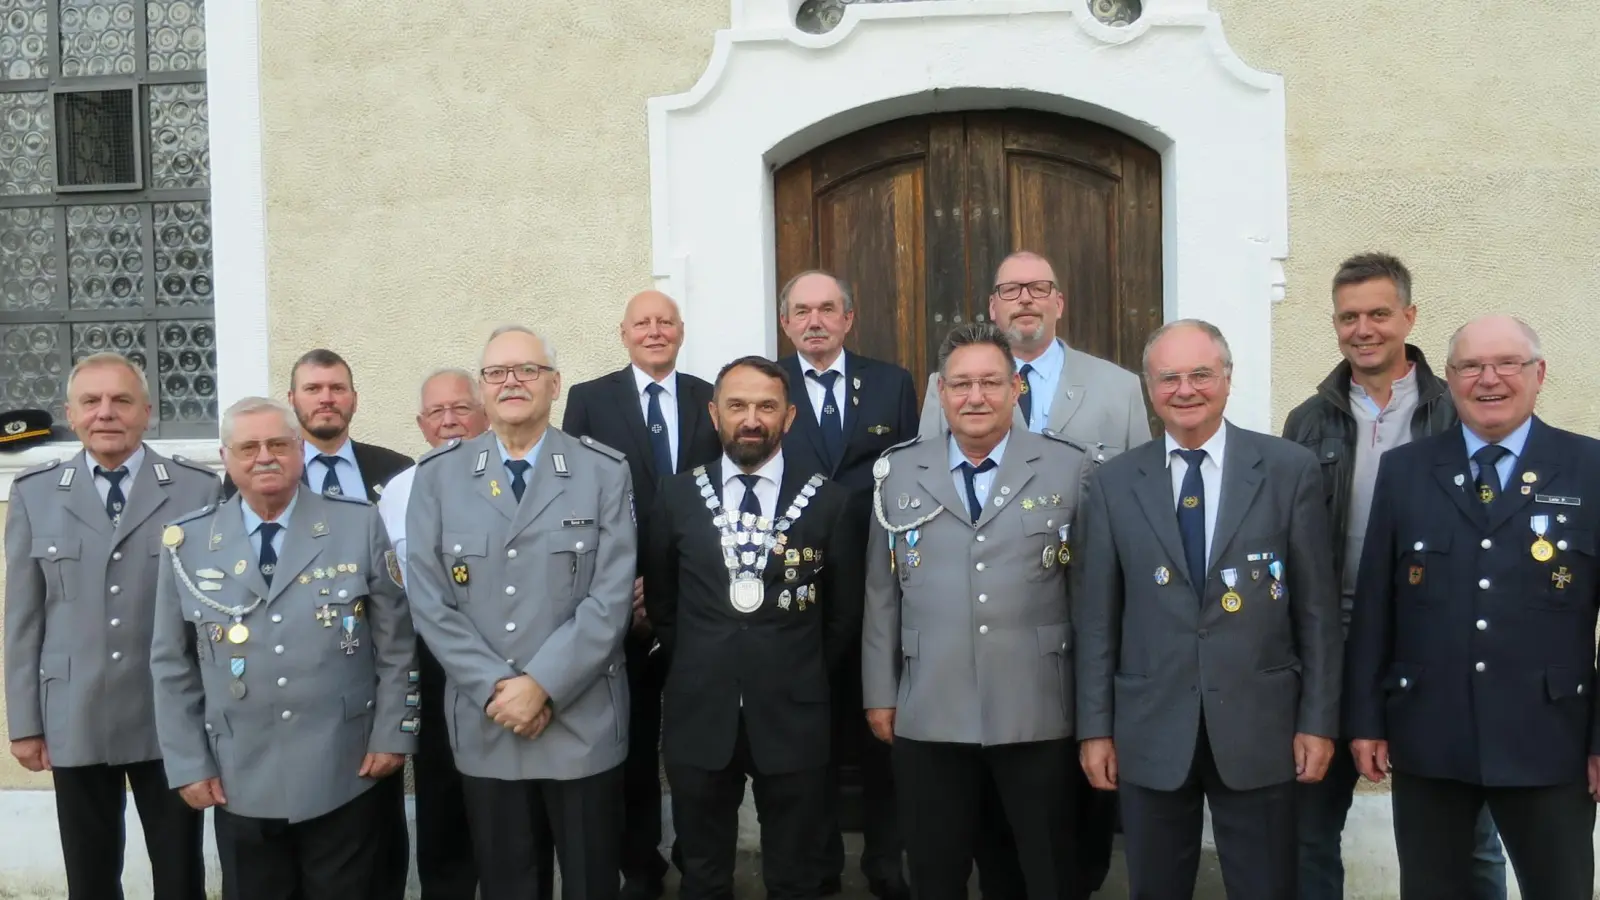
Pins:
x: 80, y: 603
x: 327, y: 668
x: 1155, y: 651
x: 1097, y: 403
x: 968, y: 634
x: 542, y: 588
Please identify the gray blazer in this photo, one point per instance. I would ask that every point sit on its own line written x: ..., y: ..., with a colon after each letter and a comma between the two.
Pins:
x: 80, y: 603
x: 969, y: 638
x: 1152, y: 656
x: 1098, y: 404
x: 543, y: 588
x: 328, y: 666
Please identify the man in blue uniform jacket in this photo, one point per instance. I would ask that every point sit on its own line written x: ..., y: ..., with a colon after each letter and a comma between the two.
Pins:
x: 1470, y: 673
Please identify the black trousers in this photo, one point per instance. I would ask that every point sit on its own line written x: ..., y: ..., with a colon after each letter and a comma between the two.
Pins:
x: 705, y: 812
x: 394, y: 849
x: 1255, y: 832
x: 941, y: 789
x: 445, y: 866
x: 336, y: 856
x: 882, y: 847
x: 1547, y: 833
x: 641, y: 774
x: 512, y: 819
x: 91, y: 803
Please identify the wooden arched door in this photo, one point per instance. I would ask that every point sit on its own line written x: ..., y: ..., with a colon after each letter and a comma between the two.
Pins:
x: 916, y: 214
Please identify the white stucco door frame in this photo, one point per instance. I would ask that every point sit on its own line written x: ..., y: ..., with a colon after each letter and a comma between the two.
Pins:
x: 772, y: 92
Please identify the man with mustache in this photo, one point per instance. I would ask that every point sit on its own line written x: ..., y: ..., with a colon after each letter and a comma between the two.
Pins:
x: 1383, y: 395
x: 753, y: 576
x: 283, y: 659
x: 1471, y: 659
x: 849, y: 409
x: 80, y: 603
x: 659, y: 417
x: 520, y: 549
x: 965, y: 658
x: 450, y: 410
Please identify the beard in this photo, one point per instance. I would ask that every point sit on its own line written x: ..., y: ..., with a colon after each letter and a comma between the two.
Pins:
x: 323, y: 432
x: 744, y: 454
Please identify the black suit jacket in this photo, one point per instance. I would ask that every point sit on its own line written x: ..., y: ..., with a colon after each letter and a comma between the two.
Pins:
x: 777, y: 660
x: 1446, y: 586
x: 377, y: 464
x: 879, y: 412
x: 607, y: 409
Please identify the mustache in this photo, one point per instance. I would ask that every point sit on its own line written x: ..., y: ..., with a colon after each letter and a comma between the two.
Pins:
x: 262, y: 468
x: 513, y: 394
x: 814, y: 331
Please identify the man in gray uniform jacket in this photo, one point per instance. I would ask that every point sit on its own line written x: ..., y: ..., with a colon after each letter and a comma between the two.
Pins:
x: 80, y: 598
x: 284, y: 660
x: 966, y: 646
x: 520, y: 560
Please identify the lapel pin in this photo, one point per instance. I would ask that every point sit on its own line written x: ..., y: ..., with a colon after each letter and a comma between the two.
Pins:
x: 856, y: 382
x: 494, y: 488
x: 1460, y: 480
x: 1529, y: 477
x: 378, y: 489
x: 319, y: 529
x: 238, y: 567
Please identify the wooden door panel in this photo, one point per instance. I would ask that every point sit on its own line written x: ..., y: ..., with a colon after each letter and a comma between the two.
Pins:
x: 1068, y: 214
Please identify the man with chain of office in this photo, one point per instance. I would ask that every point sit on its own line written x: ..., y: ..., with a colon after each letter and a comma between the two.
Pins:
x: 284, y: 666
x: 966, y: 645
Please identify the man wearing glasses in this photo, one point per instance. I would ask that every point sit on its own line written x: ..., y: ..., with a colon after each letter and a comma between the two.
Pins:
x: 1471, y: 658
x: 519, y: 566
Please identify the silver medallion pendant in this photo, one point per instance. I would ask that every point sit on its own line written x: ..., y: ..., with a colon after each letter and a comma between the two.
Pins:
x: 747, y: 595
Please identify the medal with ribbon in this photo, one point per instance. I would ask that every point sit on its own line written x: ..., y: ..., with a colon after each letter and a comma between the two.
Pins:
x: 1064, y: 553
x: 1231, y: 601
x: 913, y: 558
x: 349, y: 642
x: 1541, y: 549
x: 1277, y: 589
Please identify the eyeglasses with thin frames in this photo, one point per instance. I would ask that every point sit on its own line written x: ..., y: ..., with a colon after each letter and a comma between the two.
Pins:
x: 524, y: 372
x: 1011, y: 290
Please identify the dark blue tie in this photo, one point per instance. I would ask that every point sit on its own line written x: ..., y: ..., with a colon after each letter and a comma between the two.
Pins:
x: 1192, y: 519
x: 330, y: 478
x: 660, y: 446
x: 970, y: 473
x: 519, y: 471
x: 268, y: 556
x: 832, y: 424
x: 1488, y: 482
x: 115, y: 500
x: 750, y: 504
x: 1026, y: 400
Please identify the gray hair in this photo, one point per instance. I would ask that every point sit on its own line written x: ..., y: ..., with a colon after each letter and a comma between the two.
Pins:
x: 457, y: 371
x: 1535, y: 350
x: 1364, y: 267
x: 108, y: 358
x: 549, y: 348
x: 252, y: 405
x: 844, y: 291
x: 972, y: 334
x: 1210, y: 330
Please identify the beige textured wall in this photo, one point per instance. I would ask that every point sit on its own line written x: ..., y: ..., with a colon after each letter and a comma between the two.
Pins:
x: 1459, y: 136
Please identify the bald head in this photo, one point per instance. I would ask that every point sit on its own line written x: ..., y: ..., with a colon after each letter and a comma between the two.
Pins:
x: 652, y: 332
x: 1495, y: 369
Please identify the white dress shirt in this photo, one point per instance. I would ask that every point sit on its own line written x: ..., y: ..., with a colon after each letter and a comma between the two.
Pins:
x: 814, y: 388
x: 1210, y: 477
x: 103, y: 485
x: 392, y: 508
x: 769, y: 475
x: 669, y: 406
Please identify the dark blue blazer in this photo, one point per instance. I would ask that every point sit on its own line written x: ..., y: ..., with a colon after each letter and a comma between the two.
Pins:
x: 1473, y: 659
x: 879, y: 412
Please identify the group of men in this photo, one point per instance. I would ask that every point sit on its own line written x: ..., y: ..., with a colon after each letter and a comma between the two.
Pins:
x: 1022, y: 617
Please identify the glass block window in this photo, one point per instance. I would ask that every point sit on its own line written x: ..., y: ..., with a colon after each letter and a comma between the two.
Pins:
x: 105, y: 202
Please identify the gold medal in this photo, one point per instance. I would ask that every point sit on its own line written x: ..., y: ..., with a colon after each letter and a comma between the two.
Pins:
x: 172, y: 536
x: 1064, y: 555
x: 1542, y: 550
x: 238, y: 634
x: 1232, y: 602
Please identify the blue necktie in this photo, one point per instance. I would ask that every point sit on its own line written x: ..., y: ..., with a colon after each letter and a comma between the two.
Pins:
x: 832, y: 424
x: 1192, y: 519
x: 268, y: 556
x: 660, y: 447
x: 330, y: 479
x: 1026, y: 400
x: 115, y: 500
x: 1488, y: 482
x: 970, y: 473
x: 519, y: 470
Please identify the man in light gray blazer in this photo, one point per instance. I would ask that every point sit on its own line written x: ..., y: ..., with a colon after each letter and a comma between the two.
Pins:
x: 520, y: 560
x: 284, y: 661
x: 966, y: 664
x: 1084, y: 398
x: 1209, y: 648
x: 80, y: 599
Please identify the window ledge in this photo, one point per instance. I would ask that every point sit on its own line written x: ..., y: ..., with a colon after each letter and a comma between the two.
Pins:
x: 201, y: 450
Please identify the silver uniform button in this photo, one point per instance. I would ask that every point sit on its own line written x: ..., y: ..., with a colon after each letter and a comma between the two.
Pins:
x: 1561, y: 545
x: 578, y: 546
x: 115, y: 589
x: 980, y: 538
x: 983, y: 598
x: 1486, y: 543
x: 983, y: 629
x: 278, y: 649
x: 1483, y: 583
x: 116, y: 654
x: 276, y: 618
x: 343, y: 593
x: 283, y: 682
x: 980, y: 567
x: 208, y: 726
x: 1049, y: 523
x: 115, y: 622
x: 1480, y: 667
x: 512, y: 553
x: 456, y: 549
x: 510, y: 590
x: 1483, y: 624
x: 1405, y: 682
x: 50, y: 550
x: 286, y: 715
x: 1416, y: 546
x: 511, y: 626
x: 116, y: 556
x: 369, y: 704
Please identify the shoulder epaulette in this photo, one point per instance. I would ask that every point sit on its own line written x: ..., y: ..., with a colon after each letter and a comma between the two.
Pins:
x: 347, y: 498
x: 901, y: 445
x: 45, y: 466
x: 602, y: 449
x: 440, y: 450
x: 193, y: 514
x: 1063, y: 439
x: 193, y: 464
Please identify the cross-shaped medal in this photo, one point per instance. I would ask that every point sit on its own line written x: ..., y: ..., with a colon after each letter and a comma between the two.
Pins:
x: 1561, y: 577
x: 349, y: 643
x: 326, y: 615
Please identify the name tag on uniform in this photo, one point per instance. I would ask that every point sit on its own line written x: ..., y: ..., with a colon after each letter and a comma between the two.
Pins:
x: 576, y: 523
x: 1563, y: 501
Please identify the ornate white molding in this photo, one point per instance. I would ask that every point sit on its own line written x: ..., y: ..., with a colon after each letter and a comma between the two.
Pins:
x: 771, y: 92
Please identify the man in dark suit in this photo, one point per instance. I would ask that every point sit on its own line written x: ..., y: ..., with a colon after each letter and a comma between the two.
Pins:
x: 323, y: 393
x: 660, y: 418
x: 753, y: 573
x: 850, y: 409
x: 1207, y: 625
x: 1471, y: 673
